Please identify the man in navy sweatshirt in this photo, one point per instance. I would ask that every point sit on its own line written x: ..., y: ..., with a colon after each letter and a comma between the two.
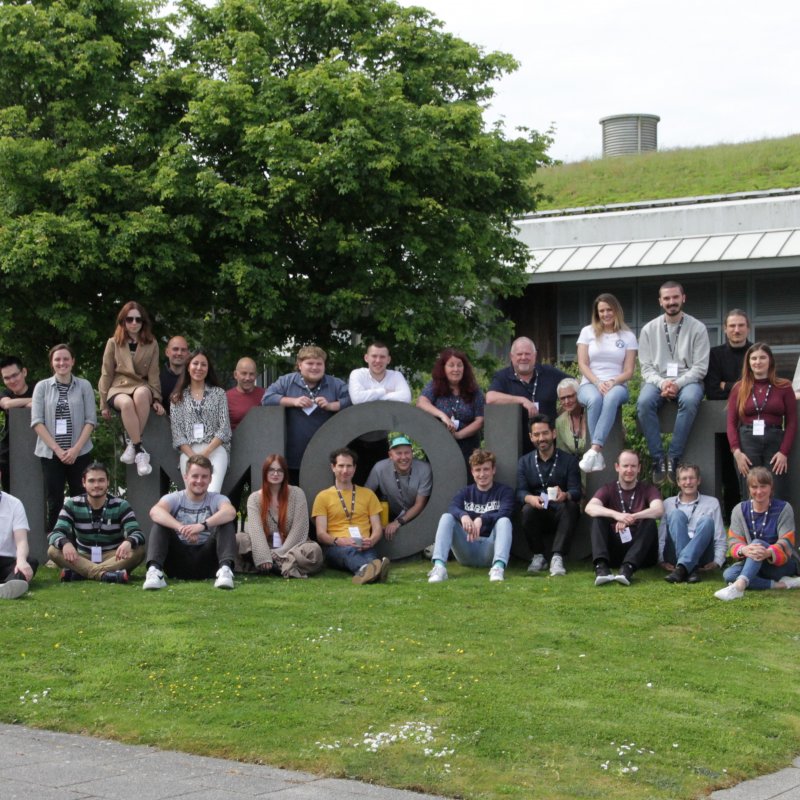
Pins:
x: 478, y: 523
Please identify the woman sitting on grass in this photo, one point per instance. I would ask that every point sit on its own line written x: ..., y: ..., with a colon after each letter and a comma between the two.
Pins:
x: 276, y: 530
x: 761, y: 539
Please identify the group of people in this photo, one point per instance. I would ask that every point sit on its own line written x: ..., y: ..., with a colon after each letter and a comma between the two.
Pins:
x: 677, y: 364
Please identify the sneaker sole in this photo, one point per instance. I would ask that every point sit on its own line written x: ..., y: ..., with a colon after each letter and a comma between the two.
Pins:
x: 11, y: 590
x: 370, y: 573
x: 602, y: 580
x: 622, y: 579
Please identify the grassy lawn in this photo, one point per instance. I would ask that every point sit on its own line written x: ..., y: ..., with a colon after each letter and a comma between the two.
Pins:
x: 538, y: 687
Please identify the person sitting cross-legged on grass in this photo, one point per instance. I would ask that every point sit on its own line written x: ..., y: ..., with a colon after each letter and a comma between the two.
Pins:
x: 348, y: 522
x: 762, y: 540
x: 17, y: 568
x: 96, y: 536
x: 624, y: 523
x: 478, y: 523
x: 193, y: 536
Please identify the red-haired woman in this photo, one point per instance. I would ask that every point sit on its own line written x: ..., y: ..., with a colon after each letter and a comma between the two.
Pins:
x: 453, y: 397
x: 762, y: 420
x: 276, y: 529
x: 129, y: 380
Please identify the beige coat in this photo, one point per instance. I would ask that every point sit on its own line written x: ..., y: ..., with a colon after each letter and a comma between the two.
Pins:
x: 124, y: 372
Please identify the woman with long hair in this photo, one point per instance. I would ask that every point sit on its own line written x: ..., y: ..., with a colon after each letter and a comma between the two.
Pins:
x: 129, y: 380
x: 276, y: 529
x: 606, y: 357
x: 63, y: 414
x: 453, y: 397
x: 199, y: 417
x: 761, y: 540
x: 762, y: 419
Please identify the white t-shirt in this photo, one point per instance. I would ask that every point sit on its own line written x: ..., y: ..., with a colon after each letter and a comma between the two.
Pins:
x: 607, y: 354
x: 12, y: 518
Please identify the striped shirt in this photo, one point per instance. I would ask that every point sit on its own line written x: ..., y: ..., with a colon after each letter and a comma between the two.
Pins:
x: 86, y: 527
x: 63, y: 440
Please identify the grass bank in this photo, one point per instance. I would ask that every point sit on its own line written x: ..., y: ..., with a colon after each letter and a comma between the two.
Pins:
x: 535, y: 687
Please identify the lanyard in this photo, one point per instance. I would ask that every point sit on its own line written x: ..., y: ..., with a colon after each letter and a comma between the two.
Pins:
x: 400, y: 487
x: 679, y: 503
x: 753, y: 526
x: 532, y: 397
x: 312, y: 393
x: 352, y: 504
x: 677, y: 334
x: 543, y: 482
x: 576, y: 437
x: 626, y: 509
x: 761, y: 408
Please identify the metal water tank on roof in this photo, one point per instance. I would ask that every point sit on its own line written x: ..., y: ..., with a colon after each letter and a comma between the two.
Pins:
x: 624, y: 134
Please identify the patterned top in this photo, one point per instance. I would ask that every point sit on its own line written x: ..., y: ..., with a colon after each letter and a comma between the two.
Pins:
x: 107, y: 527
x: 456, y: 407
x: 63, y: 439
x: 211, y: 412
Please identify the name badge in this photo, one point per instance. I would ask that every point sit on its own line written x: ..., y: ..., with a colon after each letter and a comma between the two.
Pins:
x: 759, y: 427
x: 456, y: 422
x: 310, y: 410
x: 355, y: 532
x: 625, y: 535
x: 198, y: 430
x: 276, y: 539
x: 61, y: 427
x: 545, y: 499
x: 97, y: 555
x: 672, y: 369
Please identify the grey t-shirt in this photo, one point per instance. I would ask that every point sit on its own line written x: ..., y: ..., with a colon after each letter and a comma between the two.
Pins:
x: 189, y: 512
x: 400, y: 490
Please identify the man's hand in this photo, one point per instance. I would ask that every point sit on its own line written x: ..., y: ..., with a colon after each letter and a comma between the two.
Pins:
x: 70, y: 553
x: 391, y: 529
x: 124, y: 551
x: 25, y: 568
x: 191, y: 533
x: 669, y: 389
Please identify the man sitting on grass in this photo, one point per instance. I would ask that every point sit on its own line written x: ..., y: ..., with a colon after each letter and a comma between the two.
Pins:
x: 348, y: 522
x: 16, y: 566
x: 96, y: 535
x: 193, y: 536
x: 624, y: 525
x: 478, y: 523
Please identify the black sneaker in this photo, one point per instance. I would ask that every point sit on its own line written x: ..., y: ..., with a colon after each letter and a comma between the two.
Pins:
x: 602, y: 574
x: 115, y: 576
x: 694, y: 576
x: 672, y: 468
x: 625, y: 574
x: 660, y: 470
x: 678, y: 575
x: 68, y: 575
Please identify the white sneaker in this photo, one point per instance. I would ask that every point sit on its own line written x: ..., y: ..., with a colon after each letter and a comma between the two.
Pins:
x: 12, y: 589
x: 224, y: 578
x: 497, y: 574
x: 538, y: 563
x: 143, y: 464
x: 599, y: 461
x: 129, y: 454
x: 557, y: 565
x: 587, y: 463
x: 154, y: 579
x: 791, y: 582
x: 437, y: 574
x: 730, y: 592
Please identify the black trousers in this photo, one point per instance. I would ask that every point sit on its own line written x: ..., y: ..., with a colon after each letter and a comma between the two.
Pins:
x: 8, y: 570
x: 192, y: 562
x: 56, y: 474
x: 549, y: 530
x: 641, y: 551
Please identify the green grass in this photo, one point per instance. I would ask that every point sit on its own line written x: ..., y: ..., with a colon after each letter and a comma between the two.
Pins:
x: 517, y: 690
x: 722, y: 169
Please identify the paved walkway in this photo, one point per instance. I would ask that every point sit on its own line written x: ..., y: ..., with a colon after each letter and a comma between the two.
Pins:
x: 42, y: 765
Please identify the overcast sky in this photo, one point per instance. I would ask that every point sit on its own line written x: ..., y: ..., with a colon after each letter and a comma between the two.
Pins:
x: 713, y: 70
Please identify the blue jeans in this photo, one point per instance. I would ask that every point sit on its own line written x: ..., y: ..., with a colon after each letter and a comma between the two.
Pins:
x: 650, y: 401
x: 601, y: 411
x: 697, y: 551
x: 759, y: 574
x: 349, y: 559
x: 483, y: 552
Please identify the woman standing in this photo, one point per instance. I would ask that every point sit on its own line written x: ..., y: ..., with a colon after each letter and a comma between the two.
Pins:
x: 761, y: 539
x: 762, y: 419
x: 199, y: 417
x: 129, y: 382
x: 606, y: 357
x: 452, y: 396
x: 276, y: 528
x: 63, y: 415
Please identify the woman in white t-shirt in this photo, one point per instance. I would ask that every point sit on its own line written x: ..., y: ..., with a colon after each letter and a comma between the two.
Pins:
x: 606, y: 357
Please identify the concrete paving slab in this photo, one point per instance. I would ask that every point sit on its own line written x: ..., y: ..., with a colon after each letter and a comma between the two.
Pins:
x: 781, y: 785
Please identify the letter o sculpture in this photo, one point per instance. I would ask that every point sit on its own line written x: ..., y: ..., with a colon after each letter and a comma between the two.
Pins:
x: 444, y: 456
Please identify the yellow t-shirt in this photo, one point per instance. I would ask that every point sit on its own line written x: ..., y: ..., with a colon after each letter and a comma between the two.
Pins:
x: 327, y: 504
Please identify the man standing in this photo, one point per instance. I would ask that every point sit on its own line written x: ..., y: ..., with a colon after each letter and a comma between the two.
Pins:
x: 177, y: 352
x: 96, y: 536
x: 17, y: 394
x: 17, y: 568
x: 691, y: 537
x: 310, y: 398
x: 673, y: 354
x: 375, y: 381
x: 624, y: 523
x: 193, y: 536
x: 477, y: 526
x: 245, y: 395
x: 404, y: 481
x: 549, y: 488
x: 532, y: 387
x: 348, y: 522
x: 725, y: 360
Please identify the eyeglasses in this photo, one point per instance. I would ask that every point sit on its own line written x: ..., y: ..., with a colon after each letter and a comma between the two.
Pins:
x: 568, y: 397
x: 7, y: 378
x: 274, y: 471
x: 133, y: 319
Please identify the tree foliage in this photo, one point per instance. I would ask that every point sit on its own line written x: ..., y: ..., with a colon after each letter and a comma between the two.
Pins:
x: 264, y: 174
